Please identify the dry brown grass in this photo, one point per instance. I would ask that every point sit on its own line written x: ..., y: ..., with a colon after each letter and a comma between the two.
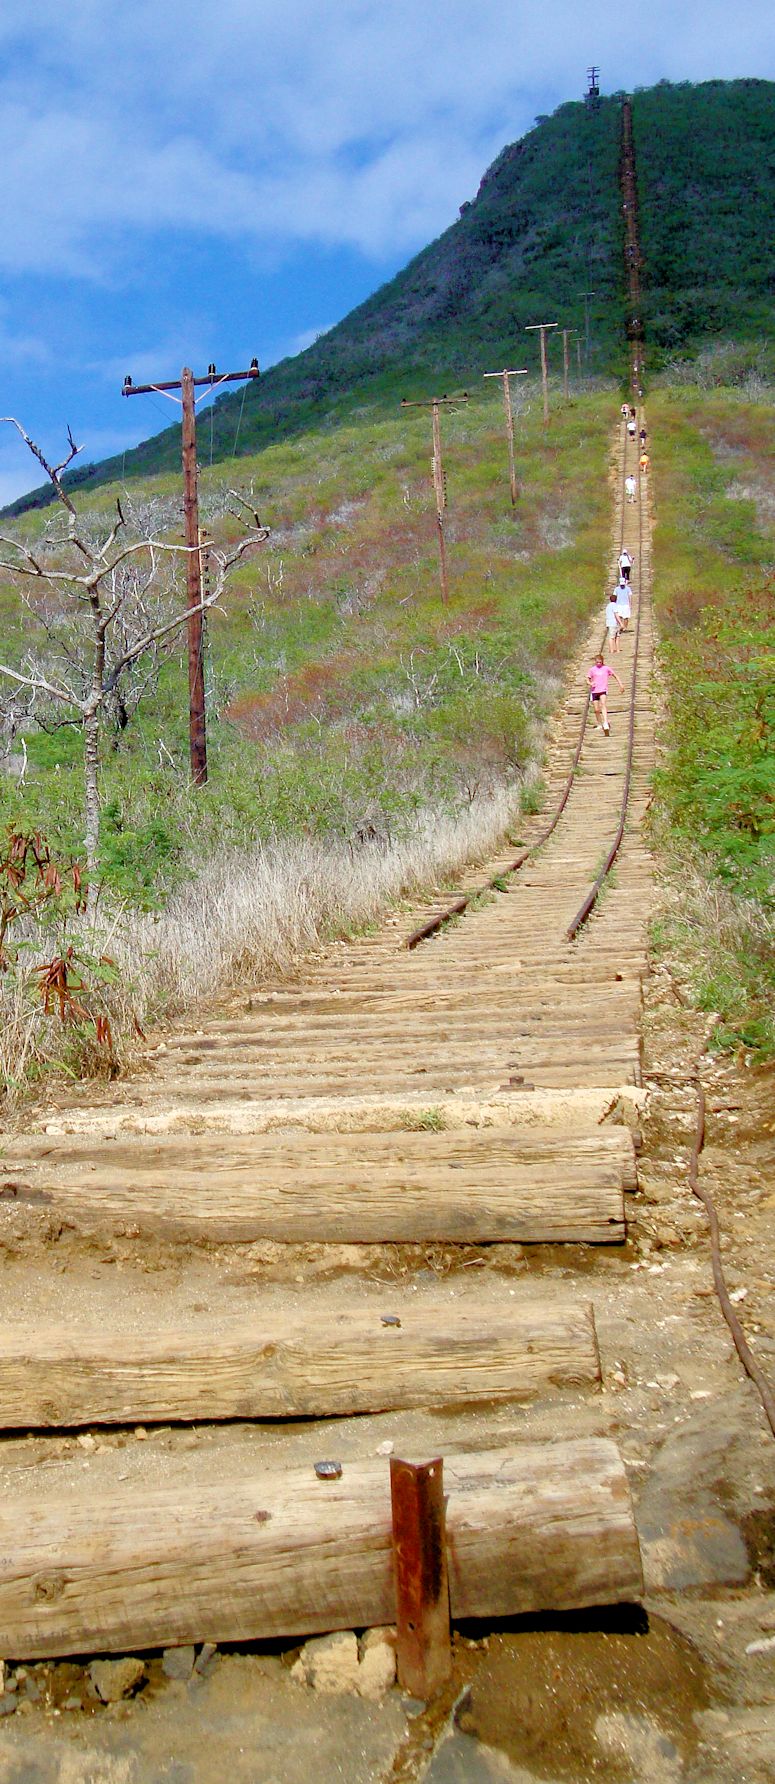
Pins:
x: 245, y: 918
x: 257, y: 914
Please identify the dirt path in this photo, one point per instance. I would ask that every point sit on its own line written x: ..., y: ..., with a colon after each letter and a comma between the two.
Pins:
x: 497, y: 1073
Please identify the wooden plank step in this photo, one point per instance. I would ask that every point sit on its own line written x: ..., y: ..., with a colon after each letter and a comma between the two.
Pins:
x: 329, y: 1152
x: 346, y: 1062
x: 552, y: 1113
x: 482, y: 1189
x: 544, y: 1527
x: 465, y: 1021
x: 195, y: 1091
x: 279, y: 1006
x: 308, y: 1365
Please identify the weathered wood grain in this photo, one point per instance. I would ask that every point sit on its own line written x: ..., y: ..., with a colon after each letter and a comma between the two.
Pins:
x: 306, y: 1365
x: 548, y: 1526
x: 369, y: 1188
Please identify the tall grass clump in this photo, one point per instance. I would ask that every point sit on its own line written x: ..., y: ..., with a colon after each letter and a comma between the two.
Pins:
x: 256, y: 913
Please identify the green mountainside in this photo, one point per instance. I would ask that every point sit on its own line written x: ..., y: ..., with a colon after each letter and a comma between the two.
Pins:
x: 544, y: 228
x: 706, y: 179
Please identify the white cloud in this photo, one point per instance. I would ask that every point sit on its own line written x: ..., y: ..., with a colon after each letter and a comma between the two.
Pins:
x: 352, y: 122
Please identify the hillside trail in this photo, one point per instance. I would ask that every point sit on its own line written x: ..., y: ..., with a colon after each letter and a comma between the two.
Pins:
x: 448, y: 1138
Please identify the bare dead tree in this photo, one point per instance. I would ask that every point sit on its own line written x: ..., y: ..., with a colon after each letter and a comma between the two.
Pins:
x: 105, y: 609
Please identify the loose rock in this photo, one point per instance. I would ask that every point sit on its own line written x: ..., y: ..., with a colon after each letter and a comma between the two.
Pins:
x: 114, y: 1679
x: 329, y: 1663
x: 178, y: 1663
x: 377, y: 1670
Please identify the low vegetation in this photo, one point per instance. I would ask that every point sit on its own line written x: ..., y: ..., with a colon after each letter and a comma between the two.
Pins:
x: 715, y: 583
x: 365, y: 738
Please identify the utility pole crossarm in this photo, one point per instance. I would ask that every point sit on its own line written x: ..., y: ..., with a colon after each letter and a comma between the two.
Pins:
x: 433, y: 402
x: 211, y: 379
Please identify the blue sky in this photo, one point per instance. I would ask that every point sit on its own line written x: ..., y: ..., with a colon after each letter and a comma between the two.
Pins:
x: 190, y: 182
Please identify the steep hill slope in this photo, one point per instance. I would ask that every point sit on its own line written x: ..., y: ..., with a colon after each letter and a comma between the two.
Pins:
x: 342, y: 693
x: 544, y: 228
x: 706, y: 175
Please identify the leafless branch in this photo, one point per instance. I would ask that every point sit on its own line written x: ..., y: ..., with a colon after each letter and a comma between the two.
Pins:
x: 157, y: 633
x: 54, y: 472
x: 38, y: 681
x: 242, y: 503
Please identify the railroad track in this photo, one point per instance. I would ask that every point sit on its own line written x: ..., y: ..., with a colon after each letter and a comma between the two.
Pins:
x: 321, y: 1203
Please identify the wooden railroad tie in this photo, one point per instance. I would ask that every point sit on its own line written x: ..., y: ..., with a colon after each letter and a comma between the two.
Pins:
x: 305, y: 1365
x: 285, y: 1554
x: 480, y: 1187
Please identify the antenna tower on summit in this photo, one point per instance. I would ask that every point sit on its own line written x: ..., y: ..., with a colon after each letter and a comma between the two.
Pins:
x: 592, y: 95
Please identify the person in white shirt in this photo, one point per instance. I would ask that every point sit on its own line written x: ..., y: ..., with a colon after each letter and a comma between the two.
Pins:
x: 622, y: 605
x: 612, y: 624
x: 625, y: 565
x: 629, y: 484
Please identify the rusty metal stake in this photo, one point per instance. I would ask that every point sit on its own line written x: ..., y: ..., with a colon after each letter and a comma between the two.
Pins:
x: 422, y: 1586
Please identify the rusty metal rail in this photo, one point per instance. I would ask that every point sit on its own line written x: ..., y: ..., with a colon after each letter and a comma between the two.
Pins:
x: 585, y: 909
x: 461, y: 904
x: 633, y: 263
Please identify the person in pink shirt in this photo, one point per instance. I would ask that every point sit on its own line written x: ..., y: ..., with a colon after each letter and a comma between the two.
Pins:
x: 598, y: 677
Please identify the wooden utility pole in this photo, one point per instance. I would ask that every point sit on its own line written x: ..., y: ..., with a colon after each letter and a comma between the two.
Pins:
x: 505, y: 376
x: 566, y: 334
x: 586, y: 295
x: 187, y: 384
x: 196, y: 677
x: 542, y: 328
x: 435, y: 403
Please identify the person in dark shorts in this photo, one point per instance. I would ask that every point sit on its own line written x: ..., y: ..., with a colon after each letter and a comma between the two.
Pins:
x: 598, y: 677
